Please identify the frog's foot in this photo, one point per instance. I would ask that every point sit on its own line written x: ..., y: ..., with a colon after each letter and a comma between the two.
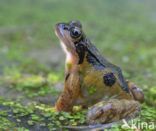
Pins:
x: 113, y: 110
x: 136, y: 92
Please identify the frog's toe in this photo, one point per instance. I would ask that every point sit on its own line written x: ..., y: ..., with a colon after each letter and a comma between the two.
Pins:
x: 96, y: 114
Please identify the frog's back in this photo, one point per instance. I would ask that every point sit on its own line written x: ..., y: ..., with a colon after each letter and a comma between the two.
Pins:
x: 101, y: 64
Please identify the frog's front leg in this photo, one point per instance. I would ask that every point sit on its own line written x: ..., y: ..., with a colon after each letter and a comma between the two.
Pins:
x: 70, y: 92
x: 113, y: 110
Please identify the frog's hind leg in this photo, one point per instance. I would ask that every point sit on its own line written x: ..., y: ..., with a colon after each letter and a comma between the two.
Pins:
x: 135, y: 91
x: 113, y: 110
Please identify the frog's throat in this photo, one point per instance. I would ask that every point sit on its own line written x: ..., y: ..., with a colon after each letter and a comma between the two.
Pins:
x: 71, y: 57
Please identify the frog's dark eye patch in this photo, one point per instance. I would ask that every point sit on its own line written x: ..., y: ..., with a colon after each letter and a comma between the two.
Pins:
x: 80, y: 49
x: 75, y: 32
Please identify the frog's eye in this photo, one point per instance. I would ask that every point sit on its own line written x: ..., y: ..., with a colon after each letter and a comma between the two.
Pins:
x: 75, y: 32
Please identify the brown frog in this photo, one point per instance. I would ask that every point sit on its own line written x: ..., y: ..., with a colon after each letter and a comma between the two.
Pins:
x: 92, y: 81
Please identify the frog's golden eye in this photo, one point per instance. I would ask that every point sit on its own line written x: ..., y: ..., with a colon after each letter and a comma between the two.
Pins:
x: 75, y: 32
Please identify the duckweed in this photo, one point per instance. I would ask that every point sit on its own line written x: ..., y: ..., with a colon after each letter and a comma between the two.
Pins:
x: 37, y: 114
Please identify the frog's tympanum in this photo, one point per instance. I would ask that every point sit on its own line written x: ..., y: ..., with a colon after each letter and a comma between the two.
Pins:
x: 92, y: 81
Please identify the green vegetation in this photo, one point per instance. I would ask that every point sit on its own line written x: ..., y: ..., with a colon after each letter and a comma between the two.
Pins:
x: 36, y: 115
x: 32, y: 62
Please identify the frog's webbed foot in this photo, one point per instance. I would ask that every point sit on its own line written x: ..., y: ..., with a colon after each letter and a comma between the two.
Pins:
x: 137, y: 93
x: 113, y: 110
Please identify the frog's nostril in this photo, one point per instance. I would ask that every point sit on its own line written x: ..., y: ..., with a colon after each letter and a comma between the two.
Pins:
x: 62, y: 26
x: 66, y: 27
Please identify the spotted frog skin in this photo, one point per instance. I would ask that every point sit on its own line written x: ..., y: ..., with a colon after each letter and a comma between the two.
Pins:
x: 93, y: 82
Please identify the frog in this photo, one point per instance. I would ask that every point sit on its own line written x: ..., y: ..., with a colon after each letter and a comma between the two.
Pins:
x: 93, y: 82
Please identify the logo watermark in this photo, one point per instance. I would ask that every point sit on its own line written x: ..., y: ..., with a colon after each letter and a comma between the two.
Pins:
x: 133, y: 124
